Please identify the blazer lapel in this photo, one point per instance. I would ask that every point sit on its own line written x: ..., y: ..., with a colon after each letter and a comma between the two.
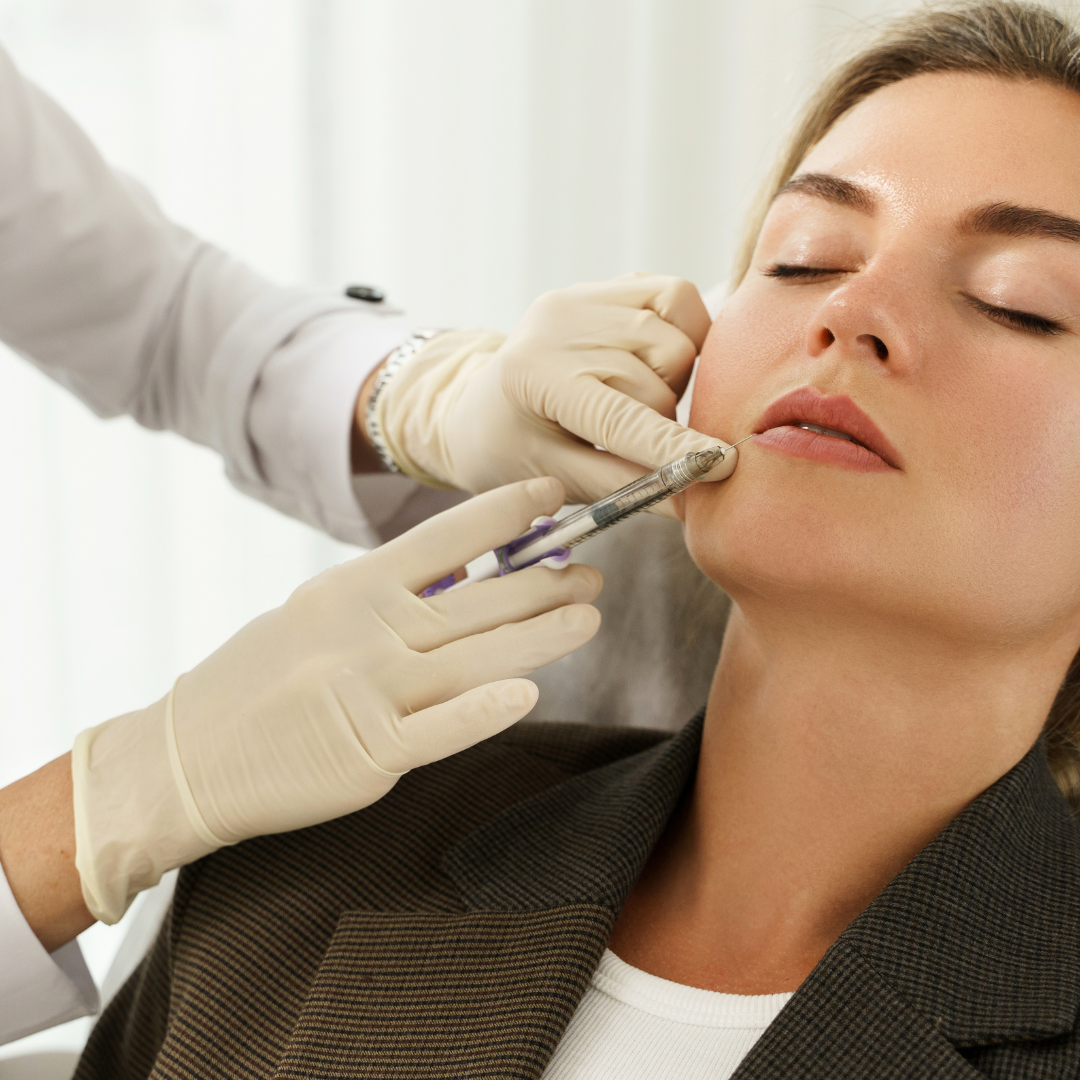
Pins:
x: 483, y: 994
x: 971, y: 951
x: 583, y: 841
x: 847, y: 1022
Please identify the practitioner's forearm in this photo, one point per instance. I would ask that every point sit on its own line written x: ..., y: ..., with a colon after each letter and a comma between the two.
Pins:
x: 37, y: 850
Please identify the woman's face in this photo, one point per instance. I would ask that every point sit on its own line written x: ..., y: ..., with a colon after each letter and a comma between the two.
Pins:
x: 917, y: 288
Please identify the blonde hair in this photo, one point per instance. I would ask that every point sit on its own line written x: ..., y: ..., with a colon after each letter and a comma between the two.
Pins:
x: 992, y: 37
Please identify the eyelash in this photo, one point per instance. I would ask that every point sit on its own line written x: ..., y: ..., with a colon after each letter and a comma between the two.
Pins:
x: 1017, y: 320
x: 790, y: 270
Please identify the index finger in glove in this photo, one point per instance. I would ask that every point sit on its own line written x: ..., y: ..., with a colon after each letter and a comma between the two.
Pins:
x: 605, y: 417
x: 431, y: 623
x: 590, y: 474
x: 431, y: 550
x: 665, y: 349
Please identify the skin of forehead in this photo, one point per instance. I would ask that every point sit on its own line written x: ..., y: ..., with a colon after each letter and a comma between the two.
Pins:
x: 944, y: 143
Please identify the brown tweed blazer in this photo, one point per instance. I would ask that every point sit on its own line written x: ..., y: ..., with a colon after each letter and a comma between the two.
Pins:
x: 451, y: 930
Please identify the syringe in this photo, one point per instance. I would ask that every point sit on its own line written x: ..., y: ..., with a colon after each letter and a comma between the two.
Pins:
x: 550, y: 541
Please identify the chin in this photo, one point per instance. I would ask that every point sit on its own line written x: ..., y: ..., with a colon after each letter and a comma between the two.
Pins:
x: 766, y: 548
x: 761, y: 540
x: 830, y: 556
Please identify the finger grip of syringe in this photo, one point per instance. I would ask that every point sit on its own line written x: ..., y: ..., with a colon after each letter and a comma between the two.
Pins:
x: 589, y: 521
x: 493, y: 564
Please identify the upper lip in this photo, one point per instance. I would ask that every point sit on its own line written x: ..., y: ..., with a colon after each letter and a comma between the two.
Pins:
x: 837, y: 411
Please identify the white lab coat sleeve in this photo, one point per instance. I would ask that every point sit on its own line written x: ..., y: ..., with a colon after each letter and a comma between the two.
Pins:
x: 37, y: 990
x: 136, y: 315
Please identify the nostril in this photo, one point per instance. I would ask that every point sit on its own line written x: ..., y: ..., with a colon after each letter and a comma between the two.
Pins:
x: 827, y: 336
x: 876, y: 344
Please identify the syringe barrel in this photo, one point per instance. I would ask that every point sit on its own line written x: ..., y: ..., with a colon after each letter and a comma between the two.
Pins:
x: 638, y: 495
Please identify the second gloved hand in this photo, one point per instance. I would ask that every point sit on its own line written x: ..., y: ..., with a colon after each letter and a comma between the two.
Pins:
x: 593, y: 365
x: 315, y: 709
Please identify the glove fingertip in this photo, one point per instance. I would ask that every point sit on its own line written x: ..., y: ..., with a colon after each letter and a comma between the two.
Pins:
x: 725, y: 468
x: 587, y: 583
x: 581, y: 620
x: 517, y: 696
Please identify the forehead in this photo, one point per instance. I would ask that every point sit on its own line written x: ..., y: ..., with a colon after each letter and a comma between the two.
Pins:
x: 947, y: 141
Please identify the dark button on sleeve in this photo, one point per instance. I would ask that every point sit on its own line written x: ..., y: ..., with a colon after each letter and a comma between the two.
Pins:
x: 365, y: 292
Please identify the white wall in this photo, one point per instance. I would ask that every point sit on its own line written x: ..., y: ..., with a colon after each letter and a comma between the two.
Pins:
x: 464, y: 155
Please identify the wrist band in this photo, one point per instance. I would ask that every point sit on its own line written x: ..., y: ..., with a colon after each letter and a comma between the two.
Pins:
x: 394, y: 363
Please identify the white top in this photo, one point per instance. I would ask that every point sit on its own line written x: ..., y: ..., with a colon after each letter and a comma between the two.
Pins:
x: 632, y: 1024
x: 136, y: 315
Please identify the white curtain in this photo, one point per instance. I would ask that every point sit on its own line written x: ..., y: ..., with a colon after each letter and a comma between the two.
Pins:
x: 464, y: 156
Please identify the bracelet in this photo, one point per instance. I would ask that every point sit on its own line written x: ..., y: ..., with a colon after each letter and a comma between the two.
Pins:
x: 394, y: 363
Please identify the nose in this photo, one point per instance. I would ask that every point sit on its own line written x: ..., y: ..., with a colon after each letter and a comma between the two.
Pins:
x: 822, y: 337
x: 862, y: 320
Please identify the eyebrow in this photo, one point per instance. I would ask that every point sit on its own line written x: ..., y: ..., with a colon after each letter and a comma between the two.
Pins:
x: 1006, y: 219
x: 994, y: 219
x: 832, y: 189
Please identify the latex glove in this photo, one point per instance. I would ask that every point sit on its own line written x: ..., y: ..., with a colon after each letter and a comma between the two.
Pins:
x: 598, y: 364
x: 315, y: 709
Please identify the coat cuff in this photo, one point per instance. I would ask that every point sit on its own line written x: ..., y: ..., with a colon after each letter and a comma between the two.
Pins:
x: 284, y: 384
x: 38, y: 990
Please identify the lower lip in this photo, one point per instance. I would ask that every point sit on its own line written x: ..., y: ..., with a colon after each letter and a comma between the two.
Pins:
x: 828, y: 449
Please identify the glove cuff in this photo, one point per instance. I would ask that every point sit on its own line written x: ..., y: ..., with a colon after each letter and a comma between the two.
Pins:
x: 411, y: 410
x: 390, y: 368
x: 183, y: 787
x: 131, y: 822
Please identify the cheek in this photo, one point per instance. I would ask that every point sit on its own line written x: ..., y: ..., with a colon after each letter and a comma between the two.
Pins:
x: 1010, y: 438
x: 746, y: 342
x: 1003, y: 422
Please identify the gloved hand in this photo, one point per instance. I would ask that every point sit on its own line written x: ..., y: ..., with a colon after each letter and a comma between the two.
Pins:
x: 315, y: 709
x: 599, y: 364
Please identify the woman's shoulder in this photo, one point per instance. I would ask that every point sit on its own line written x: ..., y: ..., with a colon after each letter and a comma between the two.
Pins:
x: 470, y: 788
x: 368, y: 858
x: 577, y: 747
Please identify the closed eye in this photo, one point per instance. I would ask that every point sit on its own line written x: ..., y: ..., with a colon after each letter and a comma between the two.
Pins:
x: 791, y: 270
x: 1018, y: 320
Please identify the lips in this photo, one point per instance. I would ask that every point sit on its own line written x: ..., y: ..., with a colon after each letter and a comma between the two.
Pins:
x: 838, y: 431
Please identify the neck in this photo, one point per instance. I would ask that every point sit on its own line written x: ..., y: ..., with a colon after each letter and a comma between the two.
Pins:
x: 828, y: 761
